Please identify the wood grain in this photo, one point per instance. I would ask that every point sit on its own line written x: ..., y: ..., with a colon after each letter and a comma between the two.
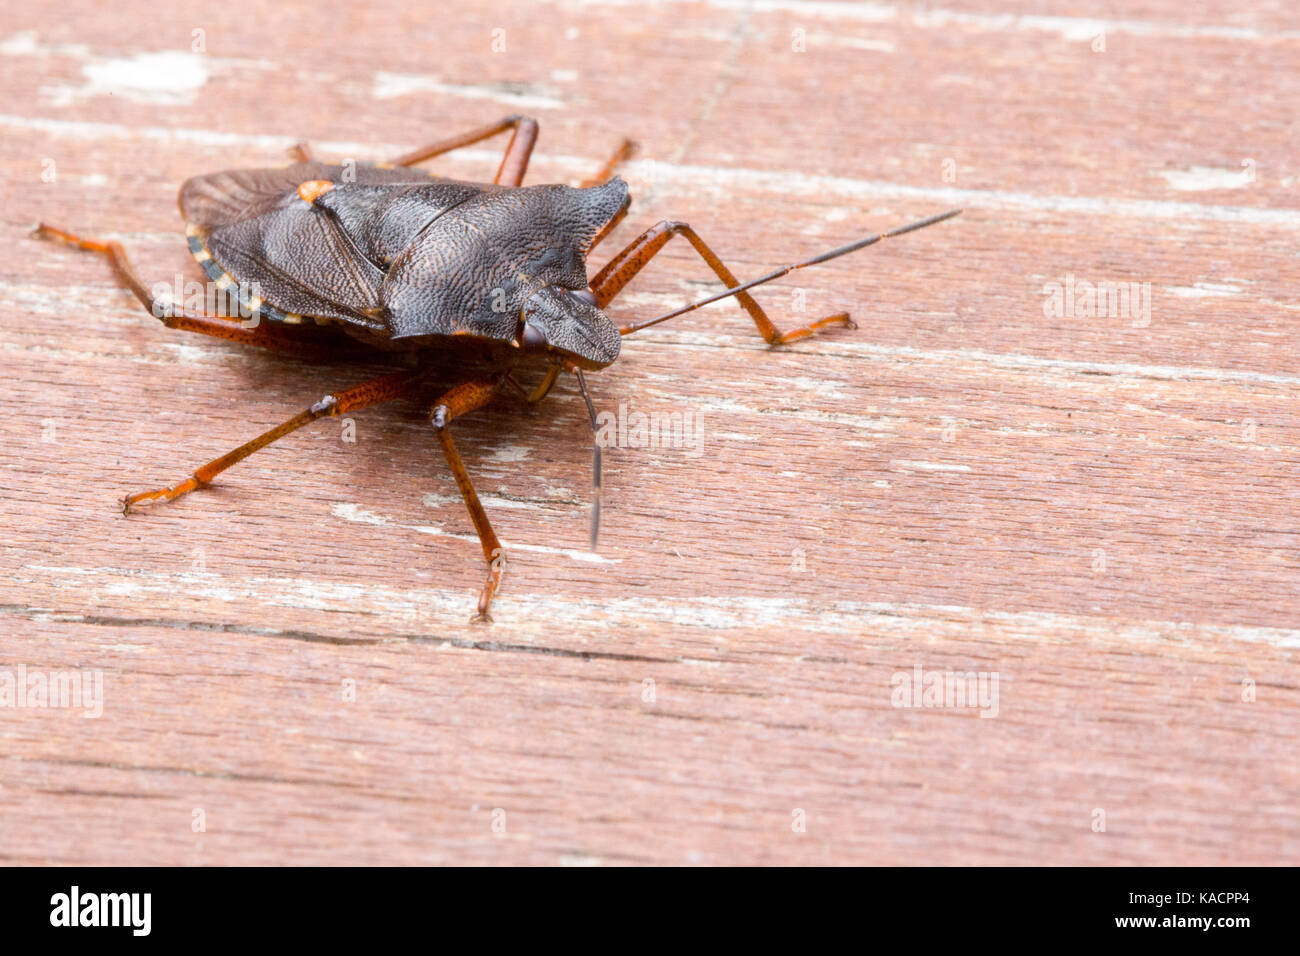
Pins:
x: 1100, y: 510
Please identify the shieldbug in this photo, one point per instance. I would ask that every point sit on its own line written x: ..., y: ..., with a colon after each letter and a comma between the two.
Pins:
x: 403, y: 260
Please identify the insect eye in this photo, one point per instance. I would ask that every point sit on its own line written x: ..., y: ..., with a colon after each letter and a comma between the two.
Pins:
x: 586, y: 295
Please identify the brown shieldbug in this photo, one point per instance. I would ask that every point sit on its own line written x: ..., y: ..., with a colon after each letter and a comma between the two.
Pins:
x: 401, y: 260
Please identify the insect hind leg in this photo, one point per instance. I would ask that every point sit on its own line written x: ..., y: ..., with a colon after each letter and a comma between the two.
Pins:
x: 265, y: 334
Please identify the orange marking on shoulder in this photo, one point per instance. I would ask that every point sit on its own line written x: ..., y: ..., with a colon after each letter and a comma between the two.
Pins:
x: 313, y: 189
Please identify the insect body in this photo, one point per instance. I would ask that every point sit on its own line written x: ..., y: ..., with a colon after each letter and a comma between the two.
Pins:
x: 398, y: 257
x: 404, y: 261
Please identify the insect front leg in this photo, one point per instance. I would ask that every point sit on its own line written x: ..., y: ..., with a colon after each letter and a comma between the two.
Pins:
x: 377, y: 390
x: 513, y: 164
x: 266, y: 334
x: 461, y: 400
x: 610, y: 281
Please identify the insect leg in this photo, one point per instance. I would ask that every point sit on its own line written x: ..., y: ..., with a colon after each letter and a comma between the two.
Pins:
x: 462, y: 399
x: 541, y: 391
x: 623, y: 153
x: 300, y: 153
x: 373, y: 392
x: 513, y: 164
x: 266, y: 334
x: 620, y: 270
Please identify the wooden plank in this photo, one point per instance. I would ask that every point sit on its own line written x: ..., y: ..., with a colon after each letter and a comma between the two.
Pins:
x: 1099, y: 510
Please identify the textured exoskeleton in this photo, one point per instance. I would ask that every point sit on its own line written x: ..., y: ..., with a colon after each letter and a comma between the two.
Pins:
x: 395, y: 255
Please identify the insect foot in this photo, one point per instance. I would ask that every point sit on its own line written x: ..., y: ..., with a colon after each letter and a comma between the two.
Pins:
x: 44, y: 230
x: 166, y: 494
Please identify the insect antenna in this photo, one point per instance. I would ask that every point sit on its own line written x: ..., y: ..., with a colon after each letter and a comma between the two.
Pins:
x: 785, y: 270
x: 595, y: 458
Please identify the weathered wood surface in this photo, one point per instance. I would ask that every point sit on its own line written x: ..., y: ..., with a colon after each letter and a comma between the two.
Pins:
x: 1100, y: 510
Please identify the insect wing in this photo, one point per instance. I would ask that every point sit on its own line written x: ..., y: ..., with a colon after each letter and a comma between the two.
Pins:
x: 322, y: 256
